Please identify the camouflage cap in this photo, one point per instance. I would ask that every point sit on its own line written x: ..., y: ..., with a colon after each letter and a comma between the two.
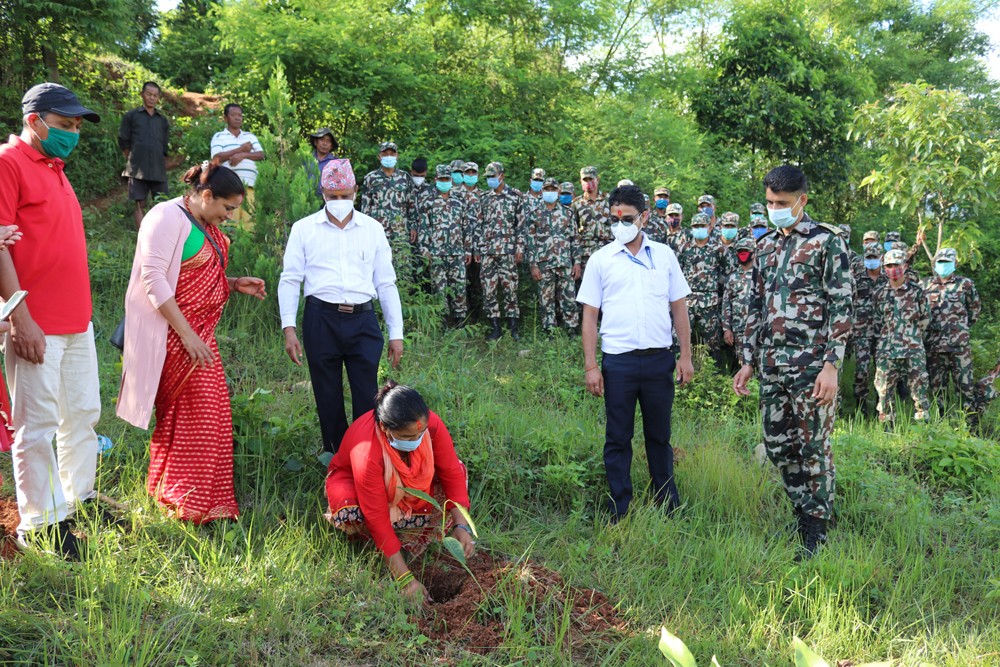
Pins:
x: 625, y: 181
x: 700, y: 220
x: 458, y: 165
x: 566, y: 186
x: 537, y: 174
x: 893, y: 236
x: 899, y: 245
x: 706, y: 199
x: 846, y: 229
x: 946, y: 255
x: 757, y: 207
x: 471, y: 166
x: 588, y: 172
x: 872, y: 250
x: 730, y: 219
x: 674, y: 207
x: 758, y: 220
x: 442, y: 171
x: 870, y: 236
x: 387, y: 146
x: 894, y: 256
x: 745, y: 243
x: 494, y: 168
x: 551, y: 183
x: 661, y: 191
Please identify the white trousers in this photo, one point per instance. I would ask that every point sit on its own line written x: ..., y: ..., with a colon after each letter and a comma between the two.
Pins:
x: 59, y: 397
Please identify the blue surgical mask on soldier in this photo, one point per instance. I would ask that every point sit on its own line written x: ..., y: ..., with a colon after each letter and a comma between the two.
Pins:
x: 662, y: 203
x: 783, y: 218
x: 388, y: 161
x: 699, y: 233
x: 470, y: 179
x: 493, y: 182
x: 709, y: 211
x: 873, y: 264
x: 566, y: 199
x: 944, y: 269
x: 457, y: 177
x: 887, y: 245
x: 550, y: 197
x: 418, y: 180
x: 536, y: 185
x: 443, y: 186
x: 758, y: 231
x: 729, y: 233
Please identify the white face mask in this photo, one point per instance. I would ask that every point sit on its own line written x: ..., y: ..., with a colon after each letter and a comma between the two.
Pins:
x: 340, y: 208
x: 624, y: 234
x: 418, y: 180
x: 783, y: 218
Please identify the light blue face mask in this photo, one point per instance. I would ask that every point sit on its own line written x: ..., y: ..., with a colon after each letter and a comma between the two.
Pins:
x: 888, y: 245
x: 708, y: 210
x: 729, y: 233
x: 873, y: 264
x: 536, y: 186
x: 944, y: 269
x: 470, y: 180
x: 389, y: 161
x: 699, y: 233
x: 407, y: 445
x: 493, y: 182
x: 457, y: 177
x: 550, y: 197
x: 443, y: 186
x: 566, y: 200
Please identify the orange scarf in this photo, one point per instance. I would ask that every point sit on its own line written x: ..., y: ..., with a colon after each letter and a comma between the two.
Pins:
x: 419, y: 475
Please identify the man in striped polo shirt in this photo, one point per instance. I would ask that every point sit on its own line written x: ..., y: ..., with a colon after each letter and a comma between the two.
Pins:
x: 240, y: 151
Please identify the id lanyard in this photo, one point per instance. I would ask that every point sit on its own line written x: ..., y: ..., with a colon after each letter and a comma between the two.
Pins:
x: 636, y: 260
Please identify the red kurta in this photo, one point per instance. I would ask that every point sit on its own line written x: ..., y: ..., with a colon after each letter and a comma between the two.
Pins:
x: 356, y: 477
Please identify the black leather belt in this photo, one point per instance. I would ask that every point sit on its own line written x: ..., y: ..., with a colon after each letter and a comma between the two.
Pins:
x: 341, y: 307
x: 647, y: 352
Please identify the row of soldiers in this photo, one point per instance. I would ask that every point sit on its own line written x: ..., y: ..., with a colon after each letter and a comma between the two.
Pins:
x: 907, y: 328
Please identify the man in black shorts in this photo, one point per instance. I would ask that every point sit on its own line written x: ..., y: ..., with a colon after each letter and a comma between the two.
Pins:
x: 143, y: 137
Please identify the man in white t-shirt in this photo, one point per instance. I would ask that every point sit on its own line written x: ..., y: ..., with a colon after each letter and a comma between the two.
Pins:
x: 639, y: 287
x: 240, y: 151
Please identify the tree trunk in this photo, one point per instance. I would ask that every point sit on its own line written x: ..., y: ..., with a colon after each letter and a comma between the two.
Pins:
x: 51, y: 63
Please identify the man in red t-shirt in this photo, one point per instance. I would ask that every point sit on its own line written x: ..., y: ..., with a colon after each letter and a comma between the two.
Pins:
x: 50, y: 358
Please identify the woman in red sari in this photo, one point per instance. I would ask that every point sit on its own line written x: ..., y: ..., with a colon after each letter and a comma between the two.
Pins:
x: 171, y: 358
x: 399, y: 445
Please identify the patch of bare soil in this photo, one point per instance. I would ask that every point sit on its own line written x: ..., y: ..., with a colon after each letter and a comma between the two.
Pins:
x: 461, y: 612
x: 9, y: 518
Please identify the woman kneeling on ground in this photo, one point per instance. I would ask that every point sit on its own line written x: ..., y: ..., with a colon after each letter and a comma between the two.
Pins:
x: 400, y: 444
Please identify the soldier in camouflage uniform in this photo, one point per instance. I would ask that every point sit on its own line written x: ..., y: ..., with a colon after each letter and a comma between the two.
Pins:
x: 457, y: 168
x: 901, y: 315
x: 758, y: 222
x: 566, y: 195
x: 706, y: 205
x: 704, y: 267
x: 954, y: 308
x: 657, y: 227
x: 500, y: 248
x: 533, y: 196
x: 676, y: 236
x: 864, y: 336
x: 552, y: 249
x: 736, y: 295
x: 446, y: 239
x: 423, y: 192
x: 387, y: 195
x: 858, y: 260
x: 797, y: 327
x: 729, y: 231
x: 592, y: 215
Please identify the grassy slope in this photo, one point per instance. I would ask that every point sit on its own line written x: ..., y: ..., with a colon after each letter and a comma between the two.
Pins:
x: 908, y: 574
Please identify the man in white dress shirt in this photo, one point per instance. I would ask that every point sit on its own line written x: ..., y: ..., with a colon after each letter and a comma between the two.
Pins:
x: 638, y: 285
x: 342, y: 259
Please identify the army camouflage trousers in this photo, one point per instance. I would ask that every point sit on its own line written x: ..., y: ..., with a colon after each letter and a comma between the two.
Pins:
x: 448, y: 278
x: 955, y: 367
x: 797, y: 437
x: 864, y: 355
x: 706, y: 321
x: 556, y: 291
x: 887, y: 374
x: 499, y: 271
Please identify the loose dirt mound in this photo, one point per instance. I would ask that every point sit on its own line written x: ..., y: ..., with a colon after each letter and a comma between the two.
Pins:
x: 469, y: 612
x: 9, y: 518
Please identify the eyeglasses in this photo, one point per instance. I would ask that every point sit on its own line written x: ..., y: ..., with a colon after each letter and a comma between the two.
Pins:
x: 626, y: 219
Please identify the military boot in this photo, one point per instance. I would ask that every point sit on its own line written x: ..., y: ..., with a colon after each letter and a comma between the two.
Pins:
x: 495, y: 332
x: 813, y: 531
x: 513, y: 329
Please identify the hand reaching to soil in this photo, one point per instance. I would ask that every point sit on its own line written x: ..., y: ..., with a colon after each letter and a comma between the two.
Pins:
x: 416, y: 593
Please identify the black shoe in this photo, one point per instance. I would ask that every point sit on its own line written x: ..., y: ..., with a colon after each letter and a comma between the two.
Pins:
x: 813, y: 531
x: 98, y: 509
x: 513, y: 329
x: 59, y: 536
x: 495, y: 332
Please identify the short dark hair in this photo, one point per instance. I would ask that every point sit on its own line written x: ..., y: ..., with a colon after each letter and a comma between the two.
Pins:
x: 397, y: 405
x: 221, y: 181
x: 786, y: 178
x: 153, y: 84
x: 630, y: 195
x: 419, y: 165
x: 225, y: 109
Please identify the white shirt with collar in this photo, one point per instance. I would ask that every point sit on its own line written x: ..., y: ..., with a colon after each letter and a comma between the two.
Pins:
x: 349, y: 265
x: 635, y: 293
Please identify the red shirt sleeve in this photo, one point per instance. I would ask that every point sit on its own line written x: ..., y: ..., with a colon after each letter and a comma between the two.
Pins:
x: 448, y: 469
x: 9, y: 194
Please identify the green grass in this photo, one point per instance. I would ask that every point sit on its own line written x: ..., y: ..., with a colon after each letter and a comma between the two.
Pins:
x: 911, y: 572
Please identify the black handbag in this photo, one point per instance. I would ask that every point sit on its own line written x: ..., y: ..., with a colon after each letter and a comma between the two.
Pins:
x: 118, y: 337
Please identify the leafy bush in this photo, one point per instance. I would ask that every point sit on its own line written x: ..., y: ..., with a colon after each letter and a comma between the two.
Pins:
x: 947, y: 458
